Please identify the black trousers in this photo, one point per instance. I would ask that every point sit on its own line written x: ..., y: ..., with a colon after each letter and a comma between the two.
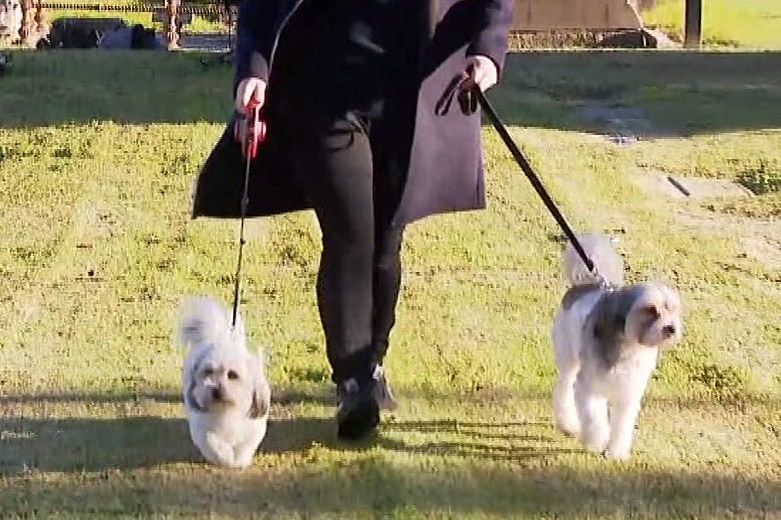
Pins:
x: 353, y: 177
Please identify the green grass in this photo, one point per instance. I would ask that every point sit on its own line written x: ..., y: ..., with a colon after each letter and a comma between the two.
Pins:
x: 743, y: 23
x: 97, y: 250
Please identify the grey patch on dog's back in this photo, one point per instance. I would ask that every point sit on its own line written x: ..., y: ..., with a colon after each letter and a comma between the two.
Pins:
x: 577, y: 292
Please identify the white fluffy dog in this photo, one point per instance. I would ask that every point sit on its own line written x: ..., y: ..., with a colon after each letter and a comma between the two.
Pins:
x: 606, y: 346
x: 226, y: 393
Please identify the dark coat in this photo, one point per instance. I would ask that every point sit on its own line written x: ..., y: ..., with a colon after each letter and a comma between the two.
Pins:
x: 445, y: 171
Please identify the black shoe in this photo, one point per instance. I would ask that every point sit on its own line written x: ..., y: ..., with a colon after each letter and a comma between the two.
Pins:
x: 357, y: 412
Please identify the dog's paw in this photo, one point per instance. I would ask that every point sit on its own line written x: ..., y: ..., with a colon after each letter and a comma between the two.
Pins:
x: 233, y: 462
x: 242, y: 463
x: 568, y: 426
x: 220, y: 453
x: 244, y: 458
x: 617, y: 453
x: 594, y: 440
x: 595, y: 446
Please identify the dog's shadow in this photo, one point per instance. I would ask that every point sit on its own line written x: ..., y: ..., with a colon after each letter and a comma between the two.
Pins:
x: 87, y: 444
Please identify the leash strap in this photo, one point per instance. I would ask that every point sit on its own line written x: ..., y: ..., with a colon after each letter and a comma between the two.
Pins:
x: 477, y: 93
x: 250, y: 131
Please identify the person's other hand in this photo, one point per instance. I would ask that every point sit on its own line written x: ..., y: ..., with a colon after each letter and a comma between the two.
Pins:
x: 250, y: 89
x: 482, y: 71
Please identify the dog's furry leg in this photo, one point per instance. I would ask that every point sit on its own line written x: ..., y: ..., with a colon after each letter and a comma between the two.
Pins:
x: 218, y: 452
x: 245, y: 452
x: 622, y: 428
x: 592, y: 412
x: 565, y: 413
x: 244, y: 455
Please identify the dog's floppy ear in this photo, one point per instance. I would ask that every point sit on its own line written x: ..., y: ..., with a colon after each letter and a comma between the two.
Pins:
x: 261, y: 399
x: 189, y: 397
x: 189, y: 378
x: 261, y: 392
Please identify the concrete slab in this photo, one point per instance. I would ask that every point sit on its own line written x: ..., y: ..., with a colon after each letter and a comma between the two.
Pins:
x: 675, y: 186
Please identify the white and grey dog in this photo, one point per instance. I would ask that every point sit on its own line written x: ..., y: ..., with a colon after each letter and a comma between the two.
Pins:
x: 606, y: 346
x: 226, y: 393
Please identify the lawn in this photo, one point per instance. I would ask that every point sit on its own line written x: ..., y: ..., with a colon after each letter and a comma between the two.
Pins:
x: 97, y: 155
x: 731, y: 23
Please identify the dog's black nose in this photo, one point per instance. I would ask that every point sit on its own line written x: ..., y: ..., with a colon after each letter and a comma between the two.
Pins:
x: 668, y: 330
x: 216, y: 394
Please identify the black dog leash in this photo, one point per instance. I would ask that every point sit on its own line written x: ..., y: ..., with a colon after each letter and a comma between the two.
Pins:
x: 469, y: 97
x: 249, y: 132
x: 533, y: 178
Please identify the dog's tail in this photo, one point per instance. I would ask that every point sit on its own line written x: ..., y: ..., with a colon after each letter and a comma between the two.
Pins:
x: 599, y: 248
x: 204, y: 320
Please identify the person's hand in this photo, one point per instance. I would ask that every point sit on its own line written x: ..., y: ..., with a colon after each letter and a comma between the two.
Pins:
x: 250, y: 89
x: 482, y: 71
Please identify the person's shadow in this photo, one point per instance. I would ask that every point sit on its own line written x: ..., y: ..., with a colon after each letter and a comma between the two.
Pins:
x: 523, y: 441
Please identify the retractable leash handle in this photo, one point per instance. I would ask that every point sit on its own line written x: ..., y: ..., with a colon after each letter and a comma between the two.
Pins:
x: 251, y: 133
x: 250, y: 130
x: 538, y: 186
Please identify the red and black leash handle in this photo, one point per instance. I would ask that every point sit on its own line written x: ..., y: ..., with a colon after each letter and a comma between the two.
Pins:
x: 250, y: 131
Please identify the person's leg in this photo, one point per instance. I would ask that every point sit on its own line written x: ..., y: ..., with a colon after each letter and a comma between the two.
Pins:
x: 387, y: 284
x: 335, y: 169
x: 389, y: 177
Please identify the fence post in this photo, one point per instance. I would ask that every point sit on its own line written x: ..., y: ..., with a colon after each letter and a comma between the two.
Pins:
x: 693, y: 35
x: 172, y: 23
x: 27, y: 19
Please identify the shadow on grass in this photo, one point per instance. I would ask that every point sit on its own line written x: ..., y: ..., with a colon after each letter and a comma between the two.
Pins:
x: 127, y: 87
x: 373, y: 487
x: 292, y: 435
x: 77, y: 467
x: 654, y: 94
x: 650, y: 93
x: 525, y: 445
x: 94, y: 445
x: 84, y: 444
x: 49, y: 442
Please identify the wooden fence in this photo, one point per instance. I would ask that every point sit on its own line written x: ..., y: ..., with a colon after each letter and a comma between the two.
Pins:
x: 172, y: 13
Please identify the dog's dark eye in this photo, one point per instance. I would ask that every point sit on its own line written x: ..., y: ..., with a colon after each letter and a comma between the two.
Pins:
x: 651, y: 311
x: 208, y: 372
x: 232, y: 375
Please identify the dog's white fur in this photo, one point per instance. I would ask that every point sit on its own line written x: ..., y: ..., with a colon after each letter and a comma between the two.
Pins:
x: 226, y: 393
x: 606, y: 346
